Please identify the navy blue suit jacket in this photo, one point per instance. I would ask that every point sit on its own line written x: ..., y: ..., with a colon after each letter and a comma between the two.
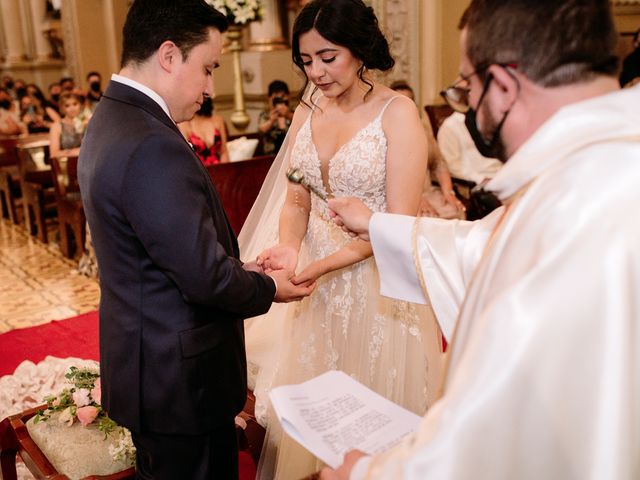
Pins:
x: 173, y: 292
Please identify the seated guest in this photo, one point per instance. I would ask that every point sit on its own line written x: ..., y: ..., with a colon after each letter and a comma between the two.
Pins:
x: 274, y: 122
x: 66, y: 135
x: 94, y: 90
x: 10, y: 123
x: 50, y: 109
x: 207, y: 133
x: 67, y: 84
x: 33, y: 115
x: 460, y: 153
x: 54, y: 95
x: 631, y: 65
x: 437, y: 200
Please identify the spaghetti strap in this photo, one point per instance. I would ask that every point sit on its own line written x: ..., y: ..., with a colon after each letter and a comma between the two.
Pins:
x: 387, y: 104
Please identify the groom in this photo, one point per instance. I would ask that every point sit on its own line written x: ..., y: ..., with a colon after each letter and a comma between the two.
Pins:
x: 173, y: 292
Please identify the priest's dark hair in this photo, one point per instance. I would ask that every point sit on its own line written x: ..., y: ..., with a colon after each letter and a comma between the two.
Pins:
x: 552, y: 42
x: 150, y: 23
x: 350, y: 24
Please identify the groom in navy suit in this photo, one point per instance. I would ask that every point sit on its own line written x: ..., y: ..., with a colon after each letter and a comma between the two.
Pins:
x: 173, y: 292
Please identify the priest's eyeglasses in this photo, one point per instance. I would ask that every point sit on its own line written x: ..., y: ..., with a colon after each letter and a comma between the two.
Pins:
x: 457, y: 95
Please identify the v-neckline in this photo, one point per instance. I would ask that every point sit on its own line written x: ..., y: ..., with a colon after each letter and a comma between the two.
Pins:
x: 341, y: 147
x: 326, y: 184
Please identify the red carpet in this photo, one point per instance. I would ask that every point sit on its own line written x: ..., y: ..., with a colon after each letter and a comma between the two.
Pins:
x: 74, y: 337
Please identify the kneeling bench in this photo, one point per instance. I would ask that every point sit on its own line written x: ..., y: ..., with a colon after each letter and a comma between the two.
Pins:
x: 71, y: 452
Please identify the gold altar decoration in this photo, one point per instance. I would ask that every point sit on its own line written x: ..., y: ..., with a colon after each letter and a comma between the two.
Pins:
x: 239, y: 118
x: 239, y: 13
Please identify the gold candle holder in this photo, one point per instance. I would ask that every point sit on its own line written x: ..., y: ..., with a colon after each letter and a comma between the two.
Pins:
x: 239, y: 118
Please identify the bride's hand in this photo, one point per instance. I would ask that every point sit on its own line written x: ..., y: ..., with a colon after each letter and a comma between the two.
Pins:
x: 309, y: 275
x: 278, y: 257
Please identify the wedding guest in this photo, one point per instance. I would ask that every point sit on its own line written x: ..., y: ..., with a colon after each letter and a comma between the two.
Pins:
x: 94, y: 90
x: 274, y: 122
x: 65, y: 136
x: 10, y: 123
x: 438, y: 200
x: 462, y: 157
x: 207, y: 133
x: 546, y: 354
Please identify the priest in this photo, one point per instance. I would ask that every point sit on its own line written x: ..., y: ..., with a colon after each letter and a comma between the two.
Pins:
x: 543, y: 378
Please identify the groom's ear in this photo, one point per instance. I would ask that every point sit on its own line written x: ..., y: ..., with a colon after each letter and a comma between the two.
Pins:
x: 168, y: 55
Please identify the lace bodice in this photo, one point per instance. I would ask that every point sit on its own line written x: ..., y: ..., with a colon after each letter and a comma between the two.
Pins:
x: 358, y: 168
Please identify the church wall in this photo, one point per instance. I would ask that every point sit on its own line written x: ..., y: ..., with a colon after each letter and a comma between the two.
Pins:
x: 423, y: 35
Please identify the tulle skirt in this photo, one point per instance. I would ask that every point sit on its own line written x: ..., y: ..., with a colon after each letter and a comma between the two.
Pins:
x: 392, y: 347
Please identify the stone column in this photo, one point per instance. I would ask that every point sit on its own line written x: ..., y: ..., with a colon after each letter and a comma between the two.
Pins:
x: 42, y: 47
x: 13, y: 30
x: 267, y: 34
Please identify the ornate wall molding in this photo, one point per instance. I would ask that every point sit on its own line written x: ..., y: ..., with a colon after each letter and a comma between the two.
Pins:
x: 400, y: 22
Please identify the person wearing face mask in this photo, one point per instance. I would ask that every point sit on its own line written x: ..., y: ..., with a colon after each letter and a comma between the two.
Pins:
x: 94, y: 90
x: 54, y: 95
x: 10, y: 123
x: 546, y: 351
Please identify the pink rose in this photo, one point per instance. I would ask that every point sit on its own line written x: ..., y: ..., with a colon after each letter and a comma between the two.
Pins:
x: 81, y: 397
x: 96, y: 392
x: 87, y: 414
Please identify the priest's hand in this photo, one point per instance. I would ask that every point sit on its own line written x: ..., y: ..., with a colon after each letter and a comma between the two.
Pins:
x: 278, y: 257
x: 287, y: 291
x: 352, y: 215
x: 343, y: 471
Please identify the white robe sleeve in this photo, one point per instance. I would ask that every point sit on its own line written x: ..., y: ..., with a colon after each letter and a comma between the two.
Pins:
x: 449, y: 251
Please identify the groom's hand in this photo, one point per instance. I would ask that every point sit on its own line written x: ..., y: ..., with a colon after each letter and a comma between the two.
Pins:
x: 286, y: 290
x: 352, y: 215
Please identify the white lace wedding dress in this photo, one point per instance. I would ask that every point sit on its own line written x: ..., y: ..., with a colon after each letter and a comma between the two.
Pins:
x: 392, y: 347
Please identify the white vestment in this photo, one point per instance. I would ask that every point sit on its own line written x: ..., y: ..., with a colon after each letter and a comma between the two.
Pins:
x: 544, y: 374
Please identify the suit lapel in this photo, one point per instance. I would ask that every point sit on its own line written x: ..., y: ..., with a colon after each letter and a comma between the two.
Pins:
x: 120, y: 92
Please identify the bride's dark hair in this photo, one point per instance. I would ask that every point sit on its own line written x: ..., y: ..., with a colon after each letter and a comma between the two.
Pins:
x: 350, y: 24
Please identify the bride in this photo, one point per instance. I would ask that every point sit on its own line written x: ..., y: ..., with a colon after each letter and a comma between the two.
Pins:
x: 351, y: 136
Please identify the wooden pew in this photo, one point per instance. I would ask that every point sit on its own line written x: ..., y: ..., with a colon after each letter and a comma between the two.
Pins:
x: 10, y: 193
x: 71, y: 219
x: 238, y: 184
x: 36, y: 183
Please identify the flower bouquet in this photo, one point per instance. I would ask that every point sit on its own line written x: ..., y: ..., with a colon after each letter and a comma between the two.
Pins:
x: 82, y: 402
x: 239, y: 12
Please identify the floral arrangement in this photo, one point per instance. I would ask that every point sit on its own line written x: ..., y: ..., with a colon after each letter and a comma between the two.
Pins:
x: 239, y: 12
x: 82, y: 402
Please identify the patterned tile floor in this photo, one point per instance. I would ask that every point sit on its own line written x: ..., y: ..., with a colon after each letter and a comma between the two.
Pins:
x: 37, y: 284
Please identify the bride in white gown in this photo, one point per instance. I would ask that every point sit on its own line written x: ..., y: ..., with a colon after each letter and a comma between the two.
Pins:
x: 350, y: 137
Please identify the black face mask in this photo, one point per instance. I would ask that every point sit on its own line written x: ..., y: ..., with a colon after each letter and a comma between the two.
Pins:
x: 5, y: 104
x: 55, y: 97
x: 95, y: 87
x: 9, y: 85
x: 492, y: 148
x: 21, y: 92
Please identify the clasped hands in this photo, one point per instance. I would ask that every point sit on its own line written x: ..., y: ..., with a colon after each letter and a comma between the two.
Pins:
x: 279, y: 262
x: 282, y: 259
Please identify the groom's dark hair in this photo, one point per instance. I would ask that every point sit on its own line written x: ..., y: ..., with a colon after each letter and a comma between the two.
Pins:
x: 151, y: 22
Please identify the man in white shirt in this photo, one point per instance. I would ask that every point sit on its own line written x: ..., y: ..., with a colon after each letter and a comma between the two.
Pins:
x: 544, y: 365
x: 460, y: 153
